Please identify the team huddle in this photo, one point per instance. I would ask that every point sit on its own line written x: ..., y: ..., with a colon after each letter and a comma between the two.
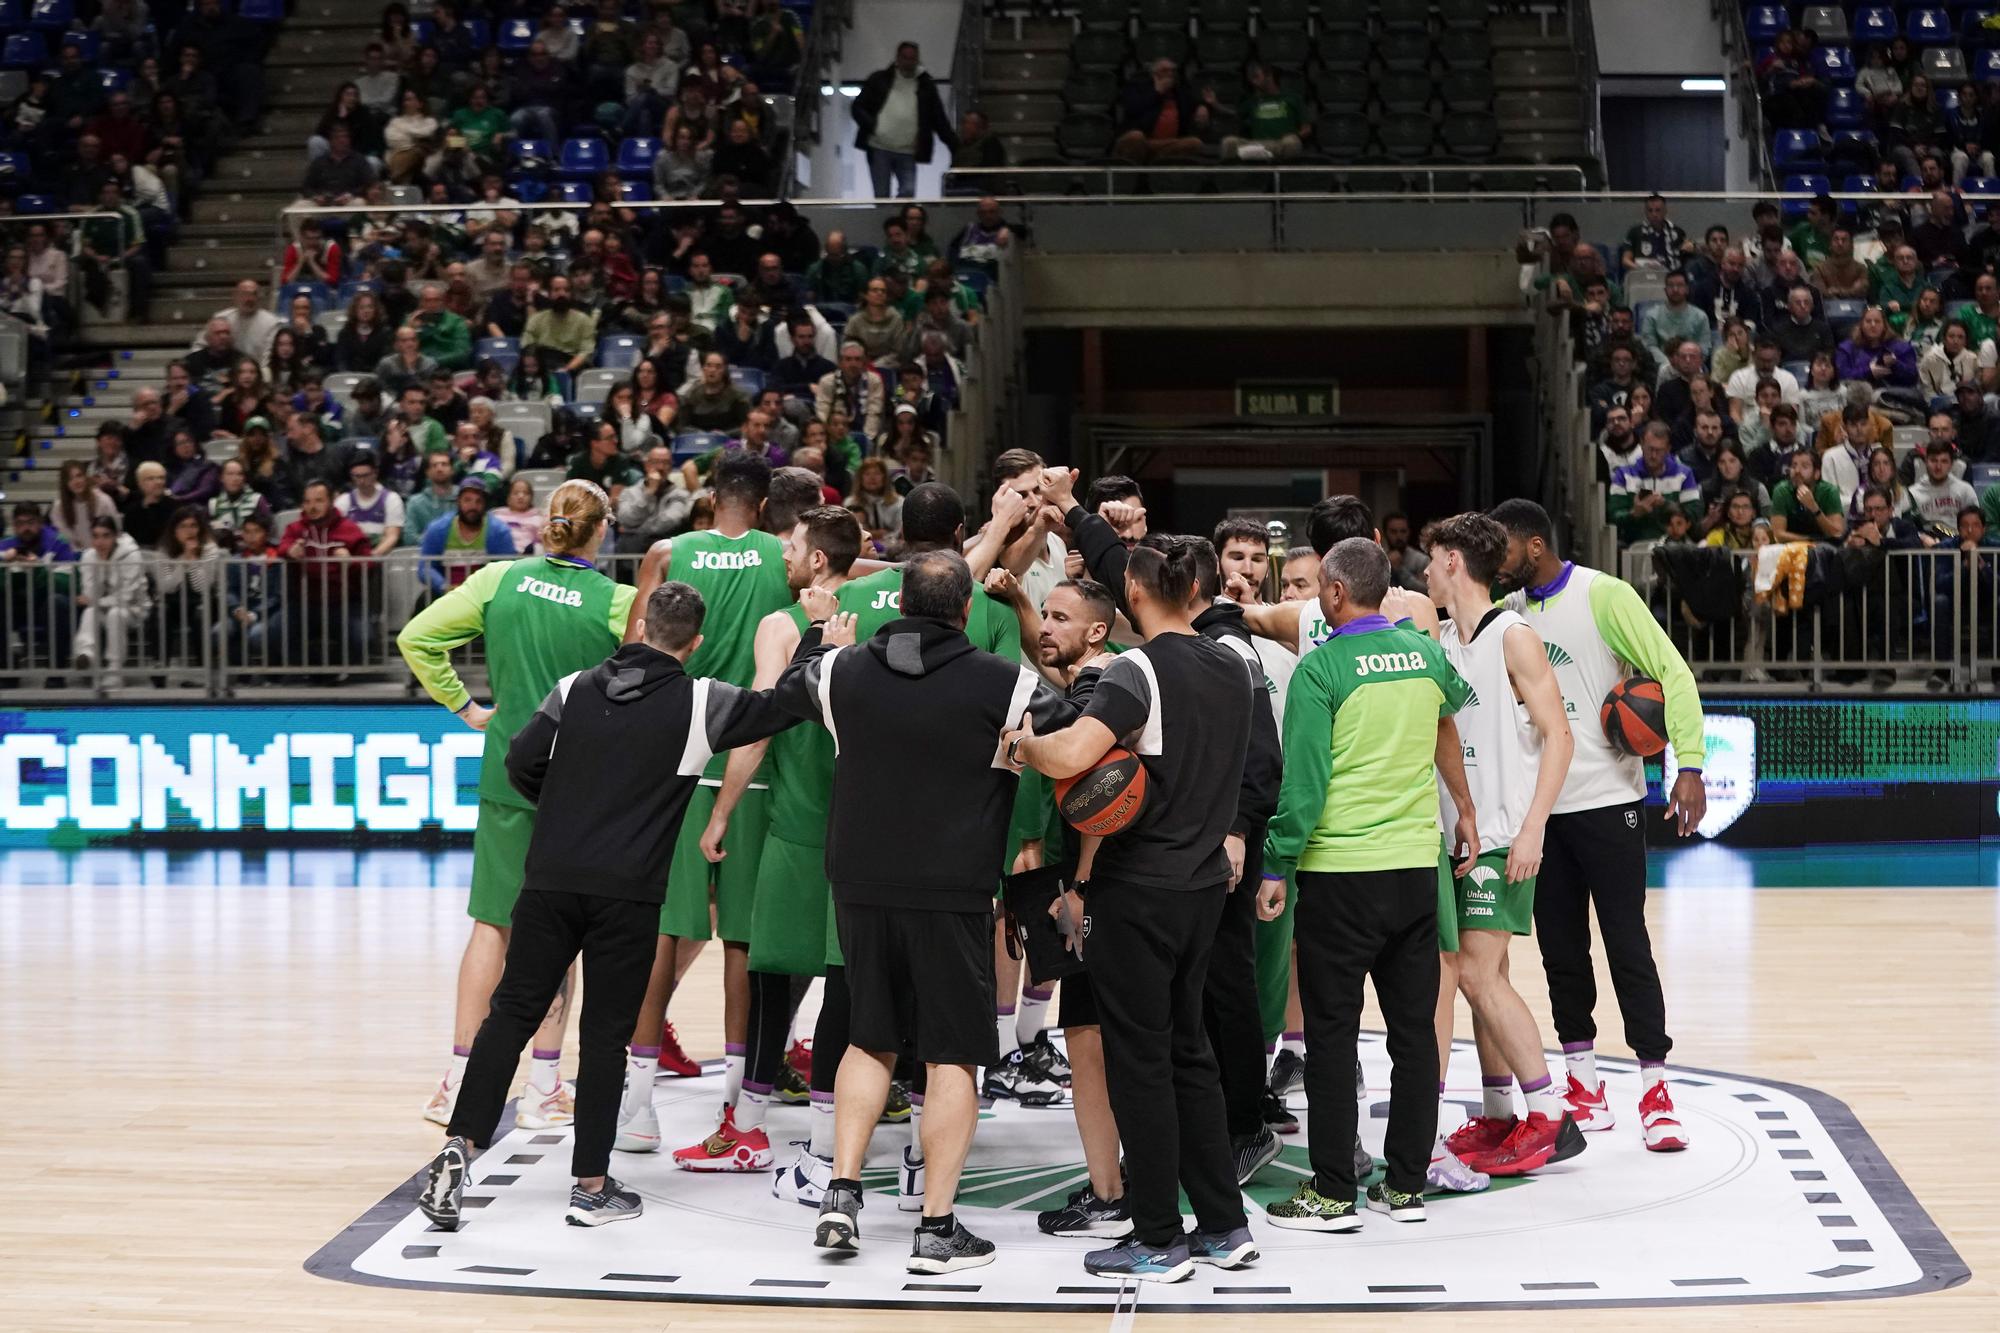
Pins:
x: 848, y: 773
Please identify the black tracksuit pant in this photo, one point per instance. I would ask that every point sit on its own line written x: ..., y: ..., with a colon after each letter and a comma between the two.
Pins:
x: 1348, y: 926
x: 1148, y: 951
x: 1229, y: 1000
x: 1599, y: 856
x: 616, y: 937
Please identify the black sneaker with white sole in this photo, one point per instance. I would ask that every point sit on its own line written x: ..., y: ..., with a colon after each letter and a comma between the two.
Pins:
x: 444, y: 1186
x: 1288, y: 1073
x: 1399, y: 1206
x: 1278, y: 1116
x: 1041, y: 1054
x: 948, y: 1251
x: 1084, y: 1214
x: 839, y: 1226
x: 1016, y: 1079
x: 594, y: 1208
x: 1253, y: 1152
x: 1224, y: 1249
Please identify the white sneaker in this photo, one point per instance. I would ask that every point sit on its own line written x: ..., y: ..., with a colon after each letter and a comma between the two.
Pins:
x: 638, y: 1123
x: 910, y: 1184
x: 546, y: 1108
x: 805, y: 1180
x: 1449, y: 1173
x: 442, y: 1101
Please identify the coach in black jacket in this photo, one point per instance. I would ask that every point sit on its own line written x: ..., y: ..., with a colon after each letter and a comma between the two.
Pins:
x: 610, y: 760
x: 916, y: 708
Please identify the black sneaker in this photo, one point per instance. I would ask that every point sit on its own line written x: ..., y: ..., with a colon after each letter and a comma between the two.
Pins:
x: 1253, y: 1152
x: 1023, y: 1082
x: 1223, y: 1249
x: 444, y: 1187
x: 1364, y: 1163
x: 790, y: 1089
x: 998, y: 1085
x: 896, y: 1109
x: 934, y: 1252
x: 1399, y: 1206
x: 1042, y: 1056
x: 613, y: 1203
x: 1288, y: 1074
x: 1087, y: 1215
x: 1278, y: 1116
x: 1133, y: 1259
x: 839, y: 1227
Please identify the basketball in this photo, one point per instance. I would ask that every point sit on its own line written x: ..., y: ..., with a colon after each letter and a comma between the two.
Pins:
x: 1634, y: 716
x: 1105, y: 797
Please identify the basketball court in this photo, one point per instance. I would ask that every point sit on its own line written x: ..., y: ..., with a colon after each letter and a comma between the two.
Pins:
x: 229, y: 1050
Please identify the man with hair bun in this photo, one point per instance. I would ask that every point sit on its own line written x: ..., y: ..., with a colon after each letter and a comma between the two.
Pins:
x: 594, y: 870
x: 543, y: 617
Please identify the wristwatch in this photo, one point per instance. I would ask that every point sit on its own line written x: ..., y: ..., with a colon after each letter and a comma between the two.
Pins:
x: 1014, y: 750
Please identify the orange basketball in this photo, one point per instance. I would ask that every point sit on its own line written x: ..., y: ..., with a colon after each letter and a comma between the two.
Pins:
x: 1105, y: 797
x: 1634, y: 716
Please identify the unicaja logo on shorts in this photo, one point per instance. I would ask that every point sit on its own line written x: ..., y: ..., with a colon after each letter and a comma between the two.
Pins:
x: 728, y: 559
x: 550, y: 592
x: 1480, y: 877
x: 1372, y: 664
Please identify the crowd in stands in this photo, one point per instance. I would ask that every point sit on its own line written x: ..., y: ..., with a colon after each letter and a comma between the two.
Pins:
x: 1828, y: 386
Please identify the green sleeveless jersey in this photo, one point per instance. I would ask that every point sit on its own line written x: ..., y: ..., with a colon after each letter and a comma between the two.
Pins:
x: 876, y: 599
x: 741, y: 580
x: 543, y: 618
x: 800, y: 770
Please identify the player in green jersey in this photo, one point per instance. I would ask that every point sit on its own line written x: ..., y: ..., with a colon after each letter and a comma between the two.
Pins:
x: 739, y: 569
x: 543, y: 618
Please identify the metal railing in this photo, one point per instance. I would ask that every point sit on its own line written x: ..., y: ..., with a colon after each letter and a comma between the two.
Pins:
x: 821, y: 50
x: 1583, y: 41
x: 968, y: 55
x: 1275, y: 179
x: 1568, y: 484
x: 1738, y: 69
x: 1816, y: 614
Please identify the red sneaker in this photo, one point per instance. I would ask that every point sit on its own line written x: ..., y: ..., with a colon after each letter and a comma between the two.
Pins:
x: 1479, y: 1135
x: 674, y: 1061
x: 800, y: 1057
x: 1656, y: 1115
x: 1590, y: 1110
x: 728, y: 1149
x: 1535, y: 1143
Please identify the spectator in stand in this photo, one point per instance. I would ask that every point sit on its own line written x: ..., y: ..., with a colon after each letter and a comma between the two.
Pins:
x: 436, y: 497
x: 148, y: 434
x: 650, y: 81
x: 38, y: 603
x: 1731, y: 478
x: 364, y: 125
x: 1982, y: 320
x: 1875, y: 356
x: 78, y: 503
x: 370, y: 415
x: 1926, y: 324
x: 939, y: 316
x: 1753, y: 419
x: 563, y: 328
x: 1844, y: 454
x: 853, y: 385
x: 453, y: 541
x: 1671, y: 396
x: 837, y: 275
x: 1765, y: 358
x: 1937, y: 497
x: 1728, y: 292
x: 712, y: 402
x: 1977, y: 427
x: 366, y: 337
x: 252, y: 627
x: 308, y: 457
x: 443, y: 337
x: 379, y: 82
x: 1768, y: 460
x: 443, y: 403
x: 522, y: 517
x: 1618, y: 333
x: 1642, y: 494
x: 112, y: 598
x: 406, y: 366
x: 1948, y: 364
x: 1732, y: 351
x: 1655, y: 242
x: 682, y: 169
x: 1840, y: 275
x: 541, y: 93
x: 1799, y: 332
x: 325, y: 623
x: 1617, y: 445
x: 1940, y: 240
x: 1704, y: 395
x: 1812, y: 238
x: 1699, y: 457
x: 772, y: 285
x: 603, y: 462
x: 373, y: 507
x: 1898, y: 283
x: 192, y: 477
x: 1159, y: 118
x: 978, y: 149
x: 111, y: 467
x: 1274, y: 119
x: 656, y: 505
x: 1788, y: 276
x: 508, y: 309
x: 739, y: 338
x: 740, y: 155
x: 247, y: 396
x: 1675, y: 318
x: 215, y: 356
x: 985, y: 239
x: 248, y: 323
x: 235, y: 502
x: 876, y: 326
x: 755, y: 438
x: 798, y: 374
x: 148, y: 507
x: 1804, y: 508
x: 260, y: 461
x: 339, y: 176
x: 691, y: 111
x: 898, y: 117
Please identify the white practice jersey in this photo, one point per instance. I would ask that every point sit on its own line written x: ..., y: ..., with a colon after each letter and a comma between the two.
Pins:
x: 1503, y: 749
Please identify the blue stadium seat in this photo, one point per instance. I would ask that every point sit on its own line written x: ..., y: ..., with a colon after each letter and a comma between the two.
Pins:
x: 114, y: 80
x: 1846, y: 109
x: 635, y: 192
x: 24, y: 50
x: 261, y: 11
x: 1843, y: 313
x: 1982, y: 475
x: 1834, y: 64
x: 516, y: 36
x: 423, y: 30
x: 587, y: 413
x: 1972, y: 30
x: 747, y: 378
x: 506, y: 351
x: 88, y: 44
x: 1803, y: 184
x: 619, y: 351
x: 528, y: 189
x: 837, y: 313
x: 1984, y: 187
x: 29, y: 205
x: 635, y: 156
x: 13, y: 15
x: 1929, y: 27
x: 291, y: 291
x: 1793, y: 150
x: 524, y: 153
x: 696, y: 443
x: 1862, y: 140
x: 1986, y: 66
x: 1763, y: 23
x: 1857, y: 185
x: 52, y: 15
x: 569, y: 192
x: 583, y: 159
x: 481, y: 34
x: 1874, y: 23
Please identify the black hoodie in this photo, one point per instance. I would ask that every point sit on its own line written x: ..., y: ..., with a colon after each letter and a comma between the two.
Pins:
x: 918, y: 710
x: 610, y: 760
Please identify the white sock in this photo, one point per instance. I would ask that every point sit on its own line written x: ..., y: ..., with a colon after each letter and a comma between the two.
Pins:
x: 1032, y: 1018
x: 1004, y: 1027
x: 640, y: 1071
x: 822, y: 1125
x: 917, y: 1125
x: 456, y: 1074
x: 732, y: 1073
x: 1497, y: 1097
x: 1582, y: 1065
x: 545, y: 1072
x: 1547, y: 1099
x: 1295, y: 1042
x: 750, y: 1110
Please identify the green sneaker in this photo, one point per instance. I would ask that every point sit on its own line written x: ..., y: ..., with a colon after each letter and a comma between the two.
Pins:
x: 1399, y: 1206
x: 897, y: 1109
x: 1309, y: 1210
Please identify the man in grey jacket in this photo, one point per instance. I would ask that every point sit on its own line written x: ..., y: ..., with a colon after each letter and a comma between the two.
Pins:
x: 657, y: 507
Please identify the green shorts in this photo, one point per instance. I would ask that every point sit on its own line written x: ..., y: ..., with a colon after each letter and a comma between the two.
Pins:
x: 1274, y: 966
x: 788, y: 919
x: 499, y: 858
x: 692, y: 877
x: 1447, y: 902
x: 1486, y: 901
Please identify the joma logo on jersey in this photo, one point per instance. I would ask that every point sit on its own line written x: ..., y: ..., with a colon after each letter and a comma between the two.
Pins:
x: 1372, y: 664
x: 888, y: 599
x: 550, y: 592
x: 728, y: 559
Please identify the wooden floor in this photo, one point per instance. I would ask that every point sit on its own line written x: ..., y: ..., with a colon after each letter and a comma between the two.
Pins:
x: 207, y: 1084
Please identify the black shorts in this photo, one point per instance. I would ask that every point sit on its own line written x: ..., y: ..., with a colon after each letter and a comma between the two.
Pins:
x: 1079, y: 1001
x: 919, y: 983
